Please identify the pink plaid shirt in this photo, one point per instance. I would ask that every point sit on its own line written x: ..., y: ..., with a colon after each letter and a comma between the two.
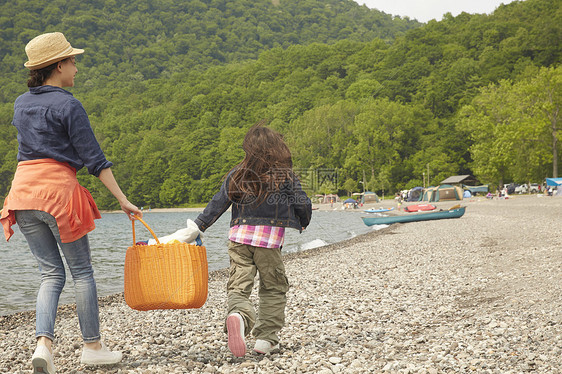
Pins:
x: 257, y: 236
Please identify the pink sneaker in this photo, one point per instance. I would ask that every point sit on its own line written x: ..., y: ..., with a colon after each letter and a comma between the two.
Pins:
x: 235, y: 328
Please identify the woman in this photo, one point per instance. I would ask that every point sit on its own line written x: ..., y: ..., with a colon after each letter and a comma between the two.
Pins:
x: 55, y: 140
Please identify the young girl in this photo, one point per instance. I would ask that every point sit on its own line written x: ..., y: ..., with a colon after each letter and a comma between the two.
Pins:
x: 266, y: 198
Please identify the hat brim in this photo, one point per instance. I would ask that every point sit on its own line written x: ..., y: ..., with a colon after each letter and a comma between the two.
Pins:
x: 42, y: 64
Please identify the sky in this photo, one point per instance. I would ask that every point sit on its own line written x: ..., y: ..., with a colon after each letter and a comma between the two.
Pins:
x: 425, y: 10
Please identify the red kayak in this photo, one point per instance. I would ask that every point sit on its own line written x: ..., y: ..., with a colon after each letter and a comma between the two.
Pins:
x: 419, y: 207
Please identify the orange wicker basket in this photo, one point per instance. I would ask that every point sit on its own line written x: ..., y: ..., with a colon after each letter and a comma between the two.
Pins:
x: 165, y: 276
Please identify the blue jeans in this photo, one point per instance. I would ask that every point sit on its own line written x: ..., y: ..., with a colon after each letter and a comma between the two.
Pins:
x: 42, y: 234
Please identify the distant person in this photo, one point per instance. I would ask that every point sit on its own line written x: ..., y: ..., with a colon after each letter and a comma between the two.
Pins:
x: 398, y: 199
x: 266, y: 198
x: 50, y: 207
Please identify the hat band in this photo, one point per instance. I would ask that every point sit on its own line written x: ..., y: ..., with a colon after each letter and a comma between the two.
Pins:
x: 59, y: 53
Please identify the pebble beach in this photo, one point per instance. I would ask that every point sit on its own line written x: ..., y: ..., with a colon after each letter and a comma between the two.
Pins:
x: 478, y: 294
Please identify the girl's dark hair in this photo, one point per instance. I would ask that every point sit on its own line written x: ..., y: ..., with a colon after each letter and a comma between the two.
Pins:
x: 38, y: 77
x: 265, y: 167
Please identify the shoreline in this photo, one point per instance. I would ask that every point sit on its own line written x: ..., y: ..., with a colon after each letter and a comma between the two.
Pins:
x: 6, y: 321
x: 476, y: 294
x: 324, y: 207
x: 222, y: 273
x: 31, y: 305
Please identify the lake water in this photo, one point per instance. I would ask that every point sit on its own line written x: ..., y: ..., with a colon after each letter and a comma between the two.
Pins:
x: 19, y: 275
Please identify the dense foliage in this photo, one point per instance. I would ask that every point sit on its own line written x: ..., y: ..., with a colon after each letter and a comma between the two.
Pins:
x: 386, y: 113
x: 515, y: 126
x: 146, y: 39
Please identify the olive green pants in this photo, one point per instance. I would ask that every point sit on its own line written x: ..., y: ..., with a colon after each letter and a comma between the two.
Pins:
x: 245, y: 262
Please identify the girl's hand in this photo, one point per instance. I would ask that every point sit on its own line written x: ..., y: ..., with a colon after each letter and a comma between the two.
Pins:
x: 130, y: 209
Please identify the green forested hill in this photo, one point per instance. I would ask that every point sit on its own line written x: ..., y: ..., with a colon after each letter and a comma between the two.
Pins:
x: 471, y: 94
x: 146, y: 39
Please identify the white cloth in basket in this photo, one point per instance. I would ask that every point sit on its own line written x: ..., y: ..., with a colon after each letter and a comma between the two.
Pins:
x: 190, y: 235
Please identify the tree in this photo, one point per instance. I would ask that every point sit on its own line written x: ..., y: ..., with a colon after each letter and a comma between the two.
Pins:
x: 486, y: 120
x: 541, y: 96
x: 515, y: 127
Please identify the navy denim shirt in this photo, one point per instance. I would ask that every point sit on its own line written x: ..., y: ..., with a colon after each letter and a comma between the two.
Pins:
x: 287, y: 207
x: 53, y: 124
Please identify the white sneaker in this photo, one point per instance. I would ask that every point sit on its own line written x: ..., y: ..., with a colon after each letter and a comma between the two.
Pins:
x: 101, y: 356
x: 264, y: 347
x: 235, y: 328
x: 42, y: 361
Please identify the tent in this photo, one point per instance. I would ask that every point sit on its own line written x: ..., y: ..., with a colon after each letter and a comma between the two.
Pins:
x: 350, y: 203
x: 477, y: 189
x: 329, y: 199
x: 369, y: 197
x: 553, y: 181
x: 415, y: 194
x: 443, y: 192
x: 557, y: 183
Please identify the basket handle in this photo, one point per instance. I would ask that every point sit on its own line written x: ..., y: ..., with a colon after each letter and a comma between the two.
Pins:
x: 146, y: 225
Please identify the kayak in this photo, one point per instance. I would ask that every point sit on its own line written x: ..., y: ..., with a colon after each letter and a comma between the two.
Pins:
x: 419, y: 207
x: 441, y: 214
x: 381, y: 210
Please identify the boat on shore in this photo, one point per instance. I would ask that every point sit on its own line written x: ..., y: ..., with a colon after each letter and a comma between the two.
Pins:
x: 419, y: 208
x: 381, y: 210
x: 455, y: 212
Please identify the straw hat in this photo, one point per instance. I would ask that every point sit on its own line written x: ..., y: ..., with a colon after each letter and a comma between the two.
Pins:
x: 46, y: 49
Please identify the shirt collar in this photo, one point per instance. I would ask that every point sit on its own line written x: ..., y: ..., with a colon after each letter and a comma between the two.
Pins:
x: 46, y: 88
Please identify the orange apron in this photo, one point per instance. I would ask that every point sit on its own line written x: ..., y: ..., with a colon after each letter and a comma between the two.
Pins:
x: 51, y: 186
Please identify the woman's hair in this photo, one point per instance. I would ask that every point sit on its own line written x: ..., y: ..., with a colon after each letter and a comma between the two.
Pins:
x: 265, y: 167
x: 39, y: 76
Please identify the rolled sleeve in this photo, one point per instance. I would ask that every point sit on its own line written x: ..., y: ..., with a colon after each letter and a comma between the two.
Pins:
x: 216, y: 207
x: 83, y: 139
x: 303, y: 205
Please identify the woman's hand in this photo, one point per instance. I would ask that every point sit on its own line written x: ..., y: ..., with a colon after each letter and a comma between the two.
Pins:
x: 130, y: 209
x: 107, y: 178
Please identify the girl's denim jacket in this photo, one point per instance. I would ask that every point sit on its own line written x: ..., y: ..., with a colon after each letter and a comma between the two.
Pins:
x: 287, y: 207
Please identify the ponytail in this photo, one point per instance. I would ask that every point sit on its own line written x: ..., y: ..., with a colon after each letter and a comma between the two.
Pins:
x: 39, y: 76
